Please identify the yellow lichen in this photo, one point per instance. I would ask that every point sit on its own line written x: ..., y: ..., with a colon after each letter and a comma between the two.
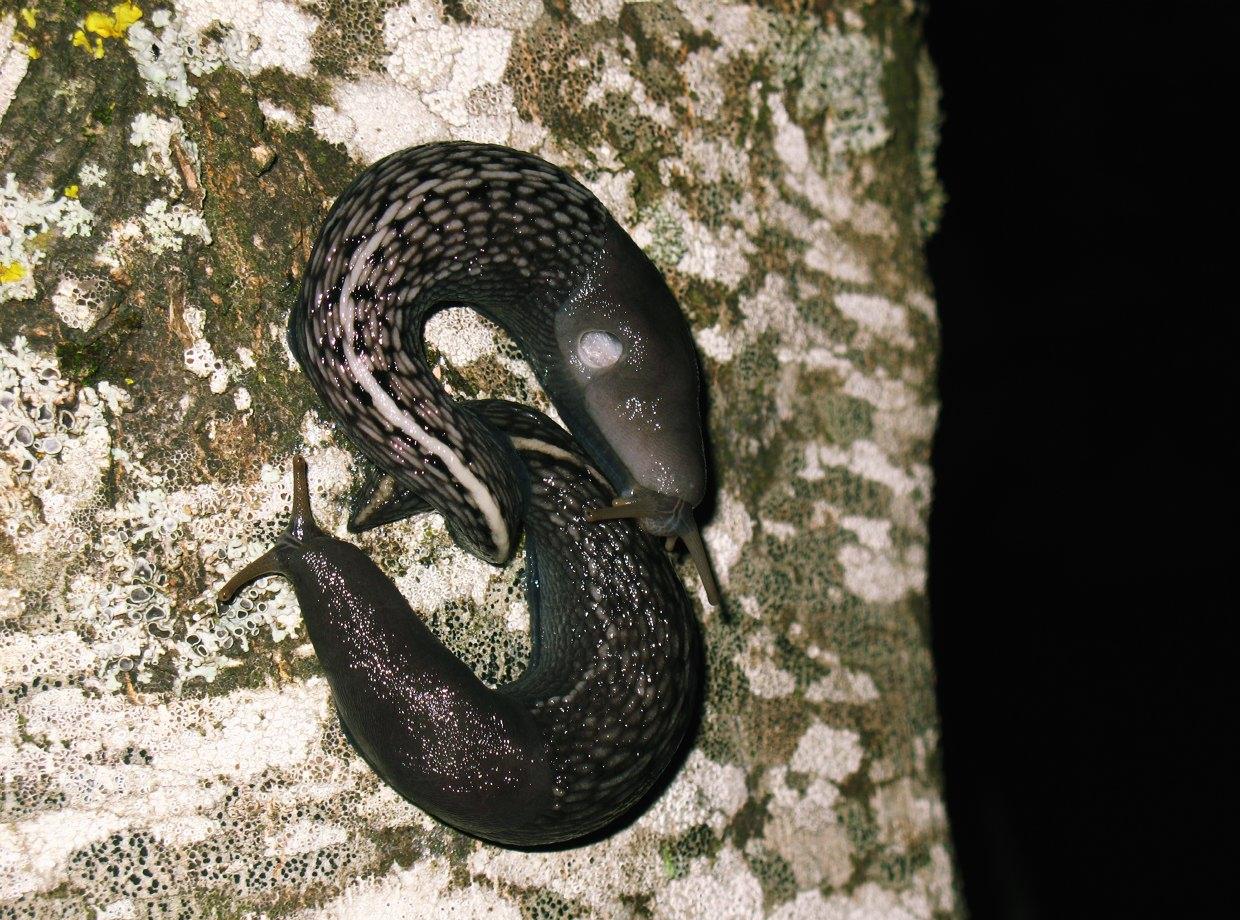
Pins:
x: 28, y: 14
x: 11, y: 272
x: 115, y: 25
x: 80, y: 40
x: 106, y: 25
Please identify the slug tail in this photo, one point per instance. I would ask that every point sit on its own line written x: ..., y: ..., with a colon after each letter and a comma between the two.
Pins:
x: 382, y: 500
x: 301, y: 526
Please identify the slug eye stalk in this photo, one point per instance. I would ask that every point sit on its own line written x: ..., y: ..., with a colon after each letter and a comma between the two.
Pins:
x: 300, y: 526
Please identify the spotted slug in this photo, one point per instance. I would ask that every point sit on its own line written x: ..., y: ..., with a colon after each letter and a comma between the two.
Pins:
x: 613, y: 679
x: 529, y: 247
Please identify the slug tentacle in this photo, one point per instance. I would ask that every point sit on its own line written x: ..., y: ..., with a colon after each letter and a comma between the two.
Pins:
x: 301, y: 526
x: 692, y: 538
x: 678, y: 524
x: 593, y: 722
x: 264, y: 565
x: 531, y: 248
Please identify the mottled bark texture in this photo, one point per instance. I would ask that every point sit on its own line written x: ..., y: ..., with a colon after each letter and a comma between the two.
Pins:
x: 163, y: 179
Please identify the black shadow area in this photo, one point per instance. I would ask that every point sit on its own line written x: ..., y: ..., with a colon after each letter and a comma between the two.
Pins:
x: 1083, y: 518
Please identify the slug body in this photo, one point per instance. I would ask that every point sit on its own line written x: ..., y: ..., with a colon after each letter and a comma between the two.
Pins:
x: 610, y: 690
x: 532, y: 249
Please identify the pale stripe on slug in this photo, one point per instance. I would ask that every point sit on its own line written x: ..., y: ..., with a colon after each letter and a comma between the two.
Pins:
x: 359, y: 367
x: 543, y: 447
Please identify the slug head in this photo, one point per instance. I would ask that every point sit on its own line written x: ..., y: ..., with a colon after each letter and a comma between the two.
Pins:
x: 629, y: 362
x: 301, y: 528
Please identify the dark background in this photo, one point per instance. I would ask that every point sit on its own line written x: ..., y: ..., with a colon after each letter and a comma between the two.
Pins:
x: 1084, y: 461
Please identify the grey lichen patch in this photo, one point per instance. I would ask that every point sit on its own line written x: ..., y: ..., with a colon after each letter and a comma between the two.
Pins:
x: 773, y: 572
x: 774, y: 873
x: 349, y: 38
x: 484, y: 637
x: 842, y: 419
x: 658, y: 31
x: 695, y: 843
x: 667, y: 240
x: 838, y: 78
x: 540, y: 904
x: 929, y: 119
x: 551, y: 67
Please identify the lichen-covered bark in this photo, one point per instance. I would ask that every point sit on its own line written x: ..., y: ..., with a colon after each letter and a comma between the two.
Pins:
x: 164, y: 177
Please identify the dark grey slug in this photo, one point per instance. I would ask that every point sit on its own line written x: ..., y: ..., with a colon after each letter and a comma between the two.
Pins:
x: 532, y: 249
x: 611, y: 687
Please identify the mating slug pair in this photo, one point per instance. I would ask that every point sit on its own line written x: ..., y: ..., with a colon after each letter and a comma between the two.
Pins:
x: 614, y: 673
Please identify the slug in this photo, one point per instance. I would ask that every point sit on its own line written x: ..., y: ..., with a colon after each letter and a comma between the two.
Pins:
x: 611, y: 687
x: 529, y: 247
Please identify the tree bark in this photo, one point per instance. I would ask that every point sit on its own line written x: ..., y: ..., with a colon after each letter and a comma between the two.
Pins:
x: 166, y: 176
